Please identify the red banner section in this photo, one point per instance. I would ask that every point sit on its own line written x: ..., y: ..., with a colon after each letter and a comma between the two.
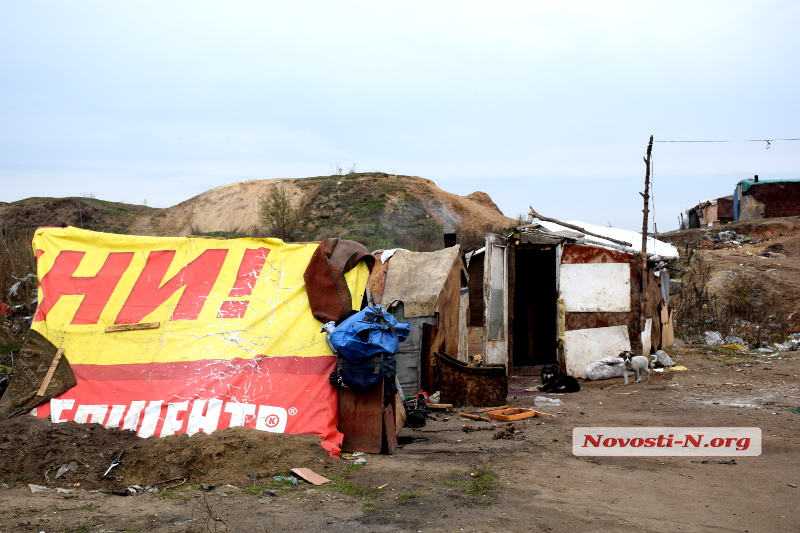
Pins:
x: 277, y: 394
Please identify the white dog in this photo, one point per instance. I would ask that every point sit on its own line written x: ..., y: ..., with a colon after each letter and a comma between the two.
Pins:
x: 637, y: 363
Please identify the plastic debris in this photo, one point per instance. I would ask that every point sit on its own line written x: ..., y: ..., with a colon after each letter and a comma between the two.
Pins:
x: 291, y: 479
x: 679, y: 369
x: 360, y: 461
x: 36, y: 488
x: 540, y: 401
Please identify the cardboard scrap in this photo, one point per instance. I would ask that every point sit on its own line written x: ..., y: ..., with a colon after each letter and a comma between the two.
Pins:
x: 509, y: 415
x: 310, y: 476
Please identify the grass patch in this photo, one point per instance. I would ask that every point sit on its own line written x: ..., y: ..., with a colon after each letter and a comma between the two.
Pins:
x: 481, y: 483
x: 406, y: 496
x: 348, y: 488
x: 281, y: 485
x: 5, y: 369
x: 369, y: 507
x: 353, y: 468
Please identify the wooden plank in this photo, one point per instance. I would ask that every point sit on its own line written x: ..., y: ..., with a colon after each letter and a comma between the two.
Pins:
x: 50, y: 371
x: 445, y: 406
x: 310, y: 476
x: 361, y: 419
x: 508, y: 415
x: 389, y: 443
x: 475, y: 417
x: 488, y: 409
x: 133, y: 327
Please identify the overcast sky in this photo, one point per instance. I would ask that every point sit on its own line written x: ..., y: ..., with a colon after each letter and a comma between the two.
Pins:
x: 548, y: 104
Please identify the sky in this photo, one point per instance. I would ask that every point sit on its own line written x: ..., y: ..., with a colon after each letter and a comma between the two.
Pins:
x: 543, y: 104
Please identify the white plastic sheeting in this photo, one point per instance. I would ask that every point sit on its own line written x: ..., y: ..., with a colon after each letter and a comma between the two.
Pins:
x: 586, y: 345
x: 654, y: 247
x: 596, y: 287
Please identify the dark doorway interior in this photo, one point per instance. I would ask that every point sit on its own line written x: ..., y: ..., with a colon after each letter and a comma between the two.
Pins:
x: 535, y: 306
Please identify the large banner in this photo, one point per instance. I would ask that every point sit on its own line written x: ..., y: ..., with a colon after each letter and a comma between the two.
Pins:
x: 230, y: 338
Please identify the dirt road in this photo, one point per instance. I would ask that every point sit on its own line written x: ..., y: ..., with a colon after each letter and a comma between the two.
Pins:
x: 468, y: 481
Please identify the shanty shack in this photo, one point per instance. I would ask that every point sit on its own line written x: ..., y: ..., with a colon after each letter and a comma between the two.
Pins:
x: 766, y: 199
x: 429, y: 290
x: 548, y: 294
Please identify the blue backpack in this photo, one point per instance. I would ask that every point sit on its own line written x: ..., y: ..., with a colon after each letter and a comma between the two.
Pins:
x: 365, y: 344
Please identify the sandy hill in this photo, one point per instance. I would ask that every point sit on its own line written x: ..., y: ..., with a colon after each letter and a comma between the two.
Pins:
x: 751, y: 276
x: 374, y: 208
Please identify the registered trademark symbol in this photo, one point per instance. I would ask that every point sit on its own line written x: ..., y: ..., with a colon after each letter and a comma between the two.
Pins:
x: 292, y: 410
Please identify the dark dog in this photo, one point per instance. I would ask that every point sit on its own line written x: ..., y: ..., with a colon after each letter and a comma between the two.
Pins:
x: 555, y: 381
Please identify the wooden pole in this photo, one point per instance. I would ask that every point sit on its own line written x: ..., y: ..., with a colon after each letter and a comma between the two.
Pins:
x: 646, y: 211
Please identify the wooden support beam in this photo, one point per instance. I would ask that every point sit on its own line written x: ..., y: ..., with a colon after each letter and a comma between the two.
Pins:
x: 576, y: 228
x: 50, y: 371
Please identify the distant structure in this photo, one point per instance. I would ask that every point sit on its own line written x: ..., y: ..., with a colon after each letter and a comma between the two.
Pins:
x: 751, y: 199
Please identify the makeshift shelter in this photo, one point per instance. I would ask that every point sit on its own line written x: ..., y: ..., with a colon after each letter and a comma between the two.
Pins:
x: 549, y: 294
x: 183, y: 335
x: 429, y: 290
x: 766, y: 199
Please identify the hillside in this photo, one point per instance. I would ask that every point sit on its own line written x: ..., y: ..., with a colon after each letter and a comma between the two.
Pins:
x: 748, y: 281
x: 374, y: 208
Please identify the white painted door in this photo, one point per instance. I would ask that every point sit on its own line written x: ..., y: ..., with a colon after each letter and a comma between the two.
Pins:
x: 495, y: 301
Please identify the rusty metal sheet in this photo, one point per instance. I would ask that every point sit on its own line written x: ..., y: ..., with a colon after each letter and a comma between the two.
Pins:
x: 469, y: 385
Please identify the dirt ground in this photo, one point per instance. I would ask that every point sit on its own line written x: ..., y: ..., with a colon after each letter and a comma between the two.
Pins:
x: 529, y: 481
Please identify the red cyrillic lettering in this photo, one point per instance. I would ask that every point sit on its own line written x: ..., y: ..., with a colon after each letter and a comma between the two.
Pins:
x: 59, y: 281
x: 197, y: 278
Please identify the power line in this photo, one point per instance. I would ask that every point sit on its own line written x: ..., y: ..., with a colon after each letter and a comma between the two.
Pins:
x: 731, y: 141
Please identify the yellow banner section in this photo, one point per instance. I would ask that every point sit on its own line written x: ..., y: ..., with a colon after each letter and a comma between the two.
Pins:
x: 212, y: 299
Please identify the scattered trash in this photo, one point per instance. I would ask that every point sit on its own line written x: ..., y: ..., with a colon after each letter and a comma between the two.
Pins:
x: 264, y: 500
x: 436, y: 397
x: 510, y: 432
x: 36, y: 488
x: 713, y: 338
x: 207, y: 488
x: 658, y: 370
x: 792, y: 485
x: 360, y: 461
x: 311, y: 476
x: 383, y: 486
x: 269, y: 492
x: 114, y: 463
x: 72, y: 466
x: 540, y: 401
x: 135, y: 489
x: 661, y: 359
x: 292, y: 479
x: 679, y: 369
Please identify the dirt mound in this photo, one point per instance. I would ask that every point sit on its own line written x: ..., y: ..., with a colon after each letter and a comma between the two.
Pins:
x: 86, y: 213
x: 346, y: 204
x: 34, y: 449
x: 751, y: 276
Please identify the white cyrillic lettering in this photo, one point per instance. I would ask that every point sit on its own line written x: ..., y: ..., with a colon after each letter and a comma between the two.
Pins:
x: 238, y: 412
x: 150, y: 420
x: 90, y: 413
x: 206, y: 423
x: 171, y: 423
x: 57, y: 407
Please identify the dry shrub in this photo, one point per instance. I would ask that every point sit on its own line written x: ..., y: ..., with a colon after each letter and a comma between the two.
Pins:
x: 741, y: 307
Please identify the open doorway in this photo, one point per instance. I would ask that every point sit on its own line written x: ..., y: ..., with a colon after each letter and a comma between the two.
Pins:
x: 535, y: 312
